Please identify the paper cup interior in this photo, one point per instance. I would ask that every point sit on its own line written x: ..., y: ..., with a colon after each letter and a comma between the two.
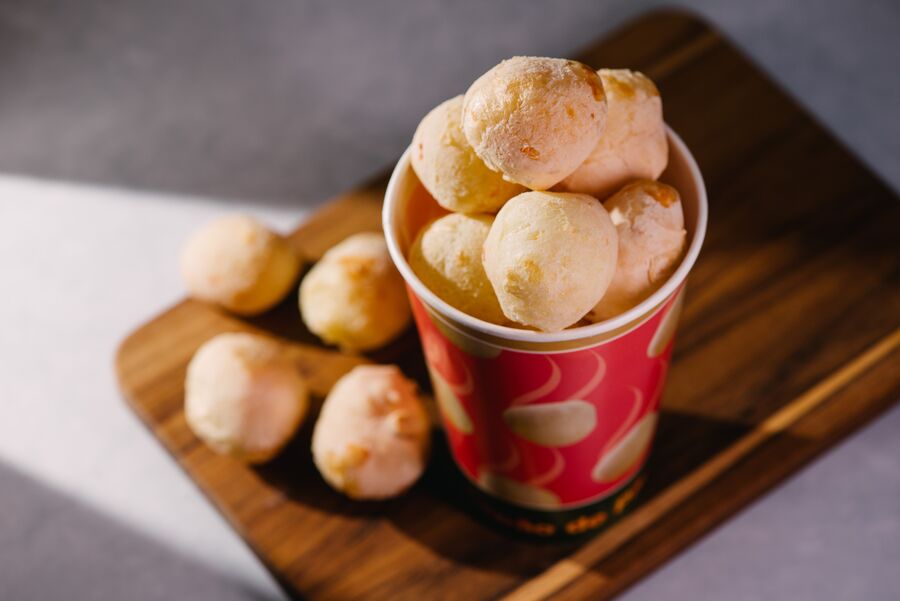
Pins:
x: 408, y: 207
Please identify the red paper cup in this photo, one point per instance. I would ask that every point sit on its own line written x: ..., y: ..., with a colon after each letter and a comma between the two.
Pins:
x: 552, y: 429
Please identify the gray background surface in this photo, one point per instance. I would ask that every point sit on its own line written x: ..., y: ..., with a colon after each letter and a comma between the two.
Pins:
x: 124, y: 125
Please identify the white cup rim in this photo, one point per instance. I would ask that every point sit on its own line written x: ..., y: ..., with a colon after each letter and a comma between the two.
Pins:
x: 698, y: 232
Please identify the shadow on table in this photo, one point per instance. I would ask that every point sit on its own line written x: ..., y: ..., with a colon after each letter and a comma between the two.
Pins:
x: 440, y: 513
x: 54, y: 547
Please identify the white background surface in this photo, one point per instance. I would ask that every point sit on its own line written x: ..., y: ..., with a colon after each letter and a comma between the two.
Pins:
x: 90, y: 264
x: 82, y: 265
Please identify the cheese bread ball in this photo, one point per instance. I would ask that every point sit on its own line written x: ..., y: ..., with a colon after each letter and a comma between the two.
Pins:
x: 633, y: 145
x: 535, y: 120
x: 447, y: 258
x: 243, y: 397
x: 550, y: 257
x: 240, y: 264
x: 354, y: 297
x: 449, y: 168
x: 650, y: 223
x: 372, y: 437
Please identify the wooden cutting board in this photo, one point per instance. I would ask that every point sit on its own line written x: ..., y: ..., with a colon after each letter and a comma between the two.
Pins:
x: 789, y: 341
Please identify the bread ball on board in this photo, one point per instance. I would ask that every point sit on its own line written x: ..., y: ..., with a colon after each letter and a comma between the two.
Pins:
x: 240, y: 264
x: 354, y: 297
x: 372, y: 437
x: 244, y: 397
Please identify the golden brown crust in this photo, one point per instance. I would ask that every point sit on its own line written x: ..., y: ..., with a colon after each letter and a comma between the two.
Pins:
x: 535, y: 120
x: 354, y: 297
x: 549, y: 257
x: 634, y: 143
x: 449, y: 168
x: 446, y: 256
x: 240, y: 264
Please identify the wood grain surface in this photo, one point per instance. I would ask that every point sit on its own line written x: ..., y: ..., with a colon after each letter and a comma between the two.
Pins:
x: 790, y: 339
